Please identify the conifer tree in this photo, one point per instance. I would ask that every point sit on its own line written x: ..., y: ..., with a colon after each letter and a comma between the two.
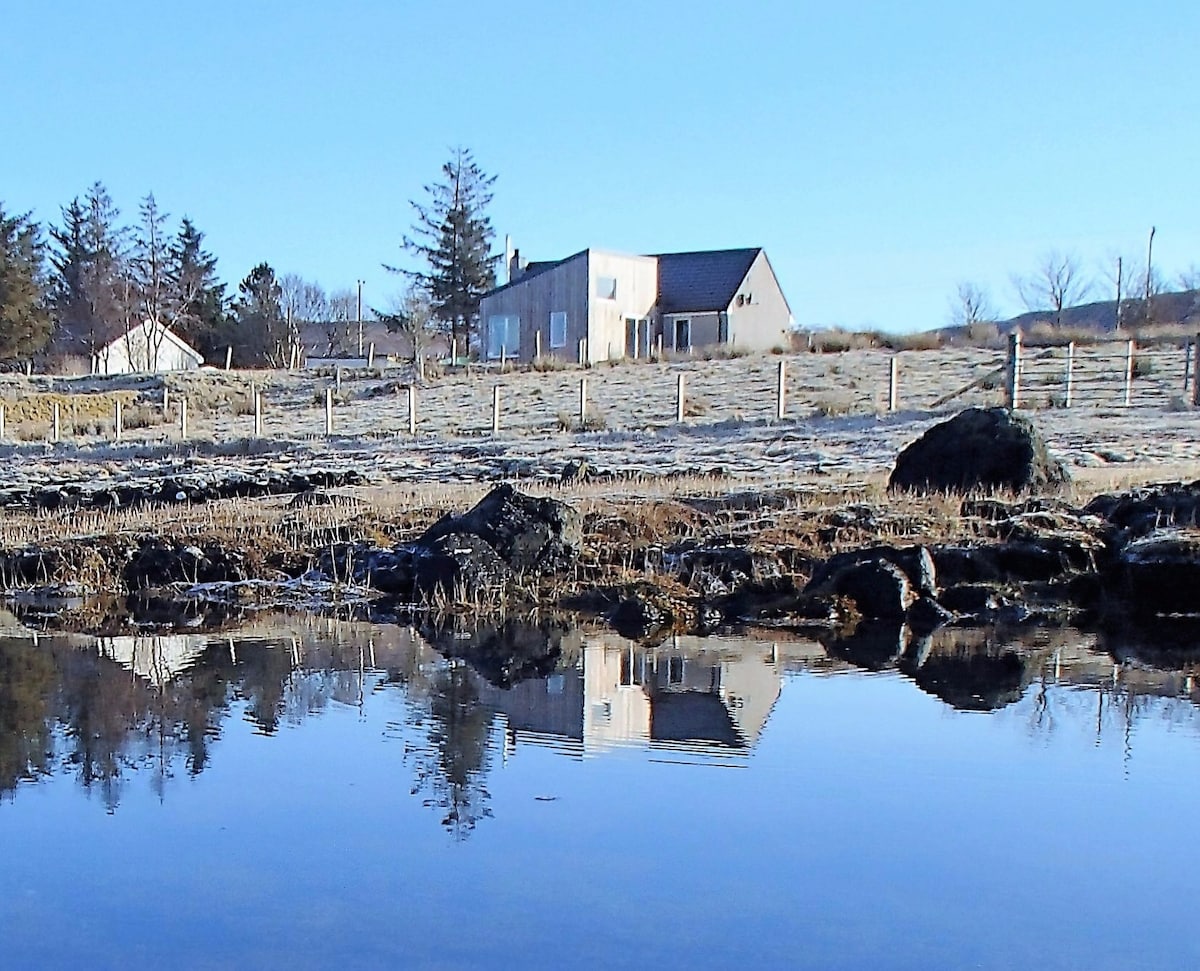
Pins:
x: 24, y: 311
x: 203, y: 313
x: 452, y: 236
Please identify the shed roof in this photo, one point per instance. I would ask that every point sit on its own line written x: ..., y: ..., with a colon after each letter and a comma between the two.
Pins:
x: 702, y: 281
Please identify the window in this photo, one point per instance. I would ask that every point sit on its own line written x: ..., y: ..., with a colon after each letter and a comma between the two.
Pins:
x: 723, y: 328
x: 606, y: 287
x: 558, y: 328
x: 504, y: 335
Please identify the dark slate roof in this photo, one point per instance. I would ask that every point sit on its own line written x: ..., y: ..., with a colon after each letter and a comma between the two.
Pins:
x: 691, y: 283
x: 535, y: 269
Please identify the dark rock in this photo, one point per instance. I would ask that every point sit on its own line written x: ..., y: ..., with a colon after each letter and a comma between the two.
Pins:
x: 965, y: 564
x: 158, y: 563
x: 1144, y: 510
x: 915, y: 561
x: 1161, y: 572
x: 459, y: 566
x: 721, y: 570
x: 577, y: 470
x: 639, y: 616
x: 877, y: 588
x: 979, y: 600
x: 980, y: 448
x: 927, y: 615
x: 530, y: 534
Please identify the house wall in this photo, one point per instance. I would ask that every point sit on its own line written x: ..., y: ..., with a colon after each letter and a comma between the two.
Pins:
x: 146, y: 349
x: 637, y: 293
x: 562, y: 288
x: 763, y: 321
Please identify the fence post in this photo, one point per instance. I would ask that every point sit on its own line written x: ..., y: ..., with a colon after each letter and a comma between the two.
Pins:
x: 1128, y: 373
x: 183, y: 429
x: 1187, y: 364
x: 329, y: 411
x: 412, y: 409
x: 1070, y: 376
x: 503, y: 357
x: 1, y: 422
x: 118, y: 421
x: 893, y: 383
x: 537, y: 345
x: 166, y: 401
x: 453, y: 351
x: 228, y: 357
x: 495, y: 409
x: 258, y: 416
x: 781, y: 391
x: 1014, y: 369
x: 658, y: 346
x: 679, y: 395
x: 582, y: 400
x: 1196, y: 371
x: 371, y: 354
x: 57, y: 429
x: 338, y: 378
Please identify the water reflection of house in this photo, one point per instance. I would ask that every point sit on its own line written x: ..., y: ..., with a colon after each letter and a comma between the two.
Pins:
x: 676, y: 696
x: 156, y: 658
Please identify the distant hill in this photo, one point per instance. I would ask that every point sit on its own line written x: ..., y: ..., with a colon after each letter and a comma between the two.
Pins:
x: 1182, y: 307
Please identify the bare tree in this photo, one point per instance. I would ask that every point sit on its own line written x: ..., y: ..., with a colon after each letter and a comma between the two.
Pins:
x: 1056, y: 283
x: 413, y: 316
x: 343, y: 307
x: 1189, y: 279
x: 971, y: 305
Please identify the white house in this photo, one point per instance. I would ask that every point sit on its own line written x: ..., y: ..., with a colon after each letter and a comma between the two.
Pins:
x: 147, y: 347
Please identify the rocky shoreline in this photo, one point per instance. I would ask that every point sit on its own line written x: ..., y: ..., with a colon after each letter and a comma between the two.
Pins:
x: 699, y: 564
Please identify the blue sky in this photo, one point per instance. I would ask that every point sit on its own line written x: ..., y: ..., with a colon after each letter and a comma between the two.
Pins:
x: 881, y: 152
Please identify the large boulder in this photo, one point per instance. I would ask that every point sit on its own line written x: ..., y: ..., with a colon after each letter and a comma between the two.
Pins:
x: 979, y: 449
x: 530, y: 534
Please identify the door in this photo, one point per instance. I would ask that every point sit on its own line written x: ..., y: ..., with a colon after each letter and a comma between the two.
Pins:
x: 683, y: 334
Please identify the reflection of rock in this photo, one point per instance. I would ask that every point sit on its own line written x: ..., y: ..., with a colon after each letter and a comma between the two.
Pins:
x: 980, y: 448
x: 1166, y: 644
x: 966, y: 669
x: 504, y: 654
x: 871, y: 644
x: 1162, y: 571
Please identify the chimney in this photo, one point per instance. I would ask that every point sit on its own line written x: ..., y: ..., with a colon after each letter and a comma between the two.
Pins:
x: 508, y: 258
x: 515, y: 266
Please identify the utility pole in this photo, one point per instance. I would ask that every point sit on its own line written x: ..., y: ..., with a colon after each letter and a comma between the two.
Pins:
x: 1149, y: 275
x: 1120, y: 264
x: 360, y: 327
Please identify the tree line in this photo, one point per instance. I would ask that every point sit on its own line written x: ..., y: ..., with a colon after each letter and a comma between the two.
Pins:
x: 1059, y: 280
x: 69, y: 289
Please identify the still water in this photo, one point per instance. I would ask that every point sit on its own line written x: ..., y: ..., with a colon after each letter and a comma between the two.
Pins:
x: 309, y: 793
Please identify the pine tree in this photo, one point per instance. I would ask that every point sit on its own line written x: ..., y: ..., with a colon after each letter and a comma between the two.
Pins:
x: 203, y: 306
x: 453, y: 236
x: 264, y: 337
x: 89, y: 273
x: 24, y: 312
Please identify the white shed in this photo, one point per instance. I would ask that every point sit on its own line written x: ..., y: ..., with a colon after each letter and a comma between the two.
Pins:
x: 147, y: 347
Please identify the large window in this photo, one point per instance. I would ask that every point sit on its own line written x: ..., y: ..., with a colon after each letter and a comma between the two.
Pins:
x: 504, y: 335
x: 558, y: 328
x: 606, y: 287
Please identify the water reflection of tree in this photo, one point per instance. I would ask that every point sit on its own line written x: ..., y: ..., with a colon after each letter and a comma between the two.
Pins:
x: 27, y: 679
x: 452, y: 765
